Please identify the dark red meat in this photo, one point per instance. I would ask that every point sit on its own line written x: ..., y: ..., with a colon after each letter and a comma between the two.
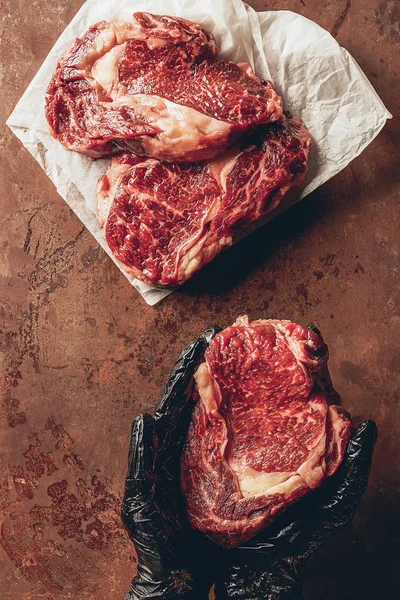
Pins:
x: 164, y: 221
x: 264, y: 429
x: 153, y: 86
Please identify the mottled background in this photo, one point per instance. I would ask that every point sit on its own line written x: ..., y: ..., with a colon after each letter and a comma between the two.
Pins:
x: 81, y: 353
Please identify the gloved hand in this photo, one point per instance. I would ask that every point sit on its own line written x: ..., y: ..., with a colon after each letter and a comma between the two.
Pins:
x: 271, y: 565
x: 171, y: 556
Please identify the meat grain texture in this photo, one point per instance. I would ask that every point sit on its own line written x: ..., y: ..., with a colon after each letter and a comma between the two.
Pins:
x: 265, y: 428
x: 154, y: 86
x: 164, y: 221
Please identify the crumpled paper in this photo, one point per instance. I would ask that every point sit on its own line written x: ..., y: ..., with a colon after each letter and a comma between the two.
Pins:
x: 318, y: 80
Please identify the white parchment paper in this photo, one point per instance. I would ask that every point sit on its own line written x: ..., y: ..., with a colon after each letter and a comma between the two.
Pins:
x: 319, y: 81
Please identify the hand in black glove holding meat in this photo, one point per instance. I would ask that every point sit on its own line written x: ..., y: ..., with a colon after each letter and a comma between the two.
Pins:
x: 171, y: 556
x: 175, y: 561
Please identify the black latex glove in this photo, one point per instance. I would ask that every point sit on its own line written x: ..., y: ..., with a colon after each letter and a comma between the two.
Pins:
x: 170, y: 554
x: 271, y: 565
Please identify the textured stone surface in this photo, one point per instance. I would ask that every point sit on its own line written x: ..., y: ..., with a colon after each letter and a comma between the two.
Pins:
x: 81, y: 354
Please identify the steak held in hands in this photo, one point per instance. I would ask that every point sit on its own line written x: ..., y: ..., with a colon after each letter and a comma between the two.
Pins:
x: 264, y: 428
x: 153, y: 86
x: 164, y: 221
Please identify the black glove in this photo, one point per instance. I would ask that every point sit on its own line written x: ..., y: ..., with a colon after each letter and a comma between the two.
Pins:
x: 170, y: 554
x: 271, y: 565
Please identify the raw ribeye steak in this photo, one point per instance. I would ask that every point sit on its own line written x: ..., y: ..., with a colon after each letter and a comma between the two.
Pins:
x: 164, y: 221
x: 154, y: 86
x: 264, y: 429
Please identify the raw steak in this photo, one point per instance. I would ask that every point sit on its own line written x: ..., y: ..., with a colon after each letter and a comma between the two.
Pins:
x: 164, y: 221
x: 264, y: 430
x: 153, y: 86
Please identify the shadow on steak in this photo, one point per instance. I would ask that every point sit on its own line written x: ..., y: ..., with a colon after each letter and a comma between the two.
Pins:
x: 154, y: 86
x: 264, y: 429
x: 164, y: 221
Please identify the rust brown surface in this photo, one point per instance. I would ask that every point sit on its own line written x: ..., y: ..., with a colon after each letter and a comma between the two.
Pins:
x: 81, y: 353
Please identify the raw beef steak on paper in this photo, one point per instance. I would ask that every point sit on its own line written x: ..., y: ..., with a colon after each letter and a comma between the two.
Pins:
x: 264, y: 429
x: 163, y: 221
x: 154, y: 86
